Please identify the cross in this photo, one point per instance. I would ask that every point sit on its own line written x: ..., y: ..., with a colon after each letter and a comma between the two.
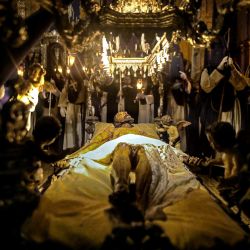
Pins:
x: 73, y: 84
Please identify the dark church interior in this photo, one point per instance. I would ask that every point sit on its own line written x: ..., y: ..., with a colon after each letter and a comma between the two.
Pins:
x: 125, y: 124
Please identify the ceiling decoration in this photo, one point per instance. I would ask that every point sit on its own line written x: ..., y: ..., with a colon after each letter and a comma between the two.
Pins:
x: 137, y: 6
x: 81, y: 23
x: 110, y: 19
x: 93, y: 15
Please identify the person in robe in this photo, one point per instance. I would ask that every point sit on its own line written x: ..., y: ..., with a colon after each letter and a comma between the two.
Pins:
x: 96, y: 96
x: 131, y: 164
x: 72, y: 104
x: 219, y: 97
x: 127, y: 158
x: 104, y: 106
x: 30, y: 92
x: 112, y: 89
x: 141, y: 100
x: 177, y: 101
x: 153, y: 81
x: 129, y: 93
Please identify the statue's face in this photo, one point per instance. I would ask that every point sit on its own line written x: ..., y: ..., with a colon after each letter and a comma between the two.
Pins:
x: 127, y: 80
x: 147, y: 46
x: 95, y: 8
x: 36, y: 76
x: 123, y: 117
x: 167, y: 120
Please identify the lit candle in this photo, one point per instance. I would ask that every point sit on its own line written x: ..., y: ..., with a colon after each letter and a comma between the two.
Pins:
x: 59, y: 69
x: 139, y: 84
x: 71, y: 60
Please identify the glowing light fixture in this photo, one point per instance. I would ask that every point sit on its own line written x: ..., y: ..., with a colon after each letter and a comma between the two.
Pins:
x: 71, y: 59
x: 143, y: 66
x: 20, y: 71
x: 59, y: 68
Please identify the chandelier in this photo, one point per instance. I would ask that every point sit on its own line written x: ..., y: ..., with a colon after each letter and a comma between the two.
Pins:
x: 136, y: 66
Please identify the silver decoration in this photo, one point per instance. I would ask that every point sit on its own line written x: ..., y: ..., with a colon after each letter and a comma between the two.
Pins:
x: 21, y: 8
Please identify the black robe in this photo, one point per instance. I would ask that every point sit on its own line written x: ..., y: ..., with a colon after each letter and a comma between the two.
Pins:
x: 112, y: 101
x: 131, y: 106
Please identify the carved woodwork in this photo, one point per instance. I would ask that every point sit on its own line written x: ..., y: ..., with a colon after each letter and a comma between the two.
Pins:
x: 110, y: 20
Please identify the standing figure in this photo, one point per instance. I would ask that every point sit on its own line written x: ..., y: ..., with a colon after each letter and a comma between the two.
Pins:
x: 129, y: 92
x: 96, y: 95
x: 72, y: 105
x: 177, y: 102
x: 29, y: 94
x: 141, y: 98
x: 156, y: 94
x: 220, y: 102
x: 104, y: 100
x: 112, y: 89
